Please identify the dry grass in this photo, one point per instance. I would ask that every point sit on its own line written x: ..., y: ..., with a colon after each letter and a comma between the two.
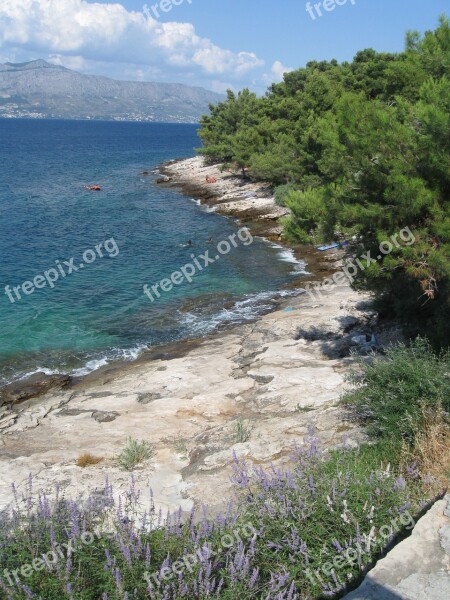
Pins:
x: 87, y: 460
x: 432, y: 447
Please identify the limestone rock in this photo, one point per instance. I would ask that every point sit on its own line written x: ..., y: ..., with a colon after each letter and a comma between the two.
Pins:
x: 34, y: 386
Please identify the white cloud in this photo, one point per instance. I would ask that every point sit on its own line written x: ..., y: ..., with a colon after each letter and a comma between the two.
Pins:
x: 274, y: 76
x: 79, y: 34
x: 278, y: 70
x: 77, y: 63
x: 221, y: 87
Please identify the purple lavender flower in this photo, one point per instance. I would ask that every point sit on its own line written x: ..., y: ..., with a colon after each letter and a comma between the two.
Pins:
x: 400, y: 483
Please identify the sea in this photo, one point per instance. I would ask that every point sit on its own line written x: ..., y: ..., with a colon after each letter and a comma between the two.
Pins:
x: 74, y: 262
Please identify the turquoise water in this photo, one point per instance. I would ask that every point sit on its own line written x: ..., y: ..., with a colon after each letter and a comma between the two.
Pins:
x: 99, y: 313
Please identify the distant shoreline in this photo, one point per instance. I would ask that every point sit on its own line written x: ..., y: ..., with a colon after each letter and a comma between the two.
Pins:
x: 86, y: 120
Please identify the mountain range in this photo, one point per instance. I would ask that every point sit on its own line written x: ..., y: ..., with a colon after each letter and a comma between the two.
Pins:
x: 38, y: 89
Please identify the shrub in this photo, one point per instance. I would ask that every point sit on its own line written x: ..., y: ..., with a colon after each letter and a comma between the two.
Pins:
x: 304, y: 518
x: 181, y: 447
x: 87, y: 459
x: 431, y: 447
x: 322, y: 506
x: 242, y: 433
x: 134, y: 453
x: 308, y: 210
x: 281, y: 192
x: 393, y: 394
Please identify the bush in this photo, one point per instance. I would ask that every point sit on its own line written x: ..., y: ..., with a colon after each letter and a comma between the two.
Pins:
x: 134, y: 453
x: 394, y: 395
x: 323, y: 506
x: 281, y: 192
x: 287, y: 525
x: 308, y: 211
x: 242, y: 433
x: 87, y: 459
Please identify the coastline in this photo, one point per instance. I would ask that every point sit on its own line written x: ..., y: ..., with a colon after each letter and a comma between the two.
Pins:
x: 228, y: 197
x: 276, y: 373
x: 249, y: 203
x: 279, y: 382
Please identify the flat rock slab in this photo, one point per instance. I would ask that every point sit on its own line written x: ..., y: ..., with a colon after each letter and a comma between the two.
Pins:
x: 419, y: 567
x: 259, y: 372
x: 33, y: 386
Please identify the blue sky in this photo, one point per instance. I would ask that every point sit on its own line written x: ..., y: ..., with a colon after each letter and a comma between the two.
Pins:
x: 212, y: 43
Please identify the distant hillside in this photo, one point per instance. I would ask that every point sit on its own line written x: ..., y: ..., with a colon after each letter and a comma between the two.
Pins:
x: 38, y: 89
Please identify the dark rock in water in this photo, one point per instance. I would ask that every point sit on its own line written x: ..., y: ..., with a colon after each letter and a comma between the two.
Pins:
x: 104, y: 417
x: 34, y: 386
x: 145, y: 173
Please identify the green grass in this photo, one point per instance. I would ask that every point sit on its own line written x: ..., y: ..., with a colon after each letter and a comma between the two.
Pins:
x: 134, y: 453
x: 242, y: 433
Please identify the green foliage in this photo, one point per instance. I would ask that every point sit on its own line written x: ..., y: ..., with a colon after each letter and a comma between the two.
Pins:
x: 288, y: 524
x: 365, y: 149
x: 181, y: 447
x: 308, y: 210
x: 393, y: 394
x: 134, y: 453
x: 281, y: 192
x: 323, y: 505
x: 242, y: 433
x: 227, y: 119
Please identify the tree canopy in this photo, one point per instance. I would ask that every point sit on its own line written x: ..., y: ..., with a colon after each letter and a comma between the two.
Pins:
x: 362, y: 150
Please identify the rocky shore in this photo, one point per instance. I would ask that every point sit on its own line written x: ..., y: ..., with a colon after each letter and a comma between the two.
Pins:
x: 230, y: 194
x: 254, y: 390
x: 272, y: 379
x: 271, y: 374
x: 251, y: 203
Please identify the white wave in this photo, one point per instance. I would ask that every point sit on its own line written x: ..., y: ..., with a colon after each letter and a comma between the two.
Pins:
x: 245, y: 310
x: 287, y: 255
x: 36, y: 371
x: 115, y: 354
x: 90, y: 367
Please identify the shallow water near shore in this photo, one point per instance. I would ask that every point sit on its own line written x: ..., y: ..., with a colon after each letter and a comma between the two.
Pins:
x: 100, y: 314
